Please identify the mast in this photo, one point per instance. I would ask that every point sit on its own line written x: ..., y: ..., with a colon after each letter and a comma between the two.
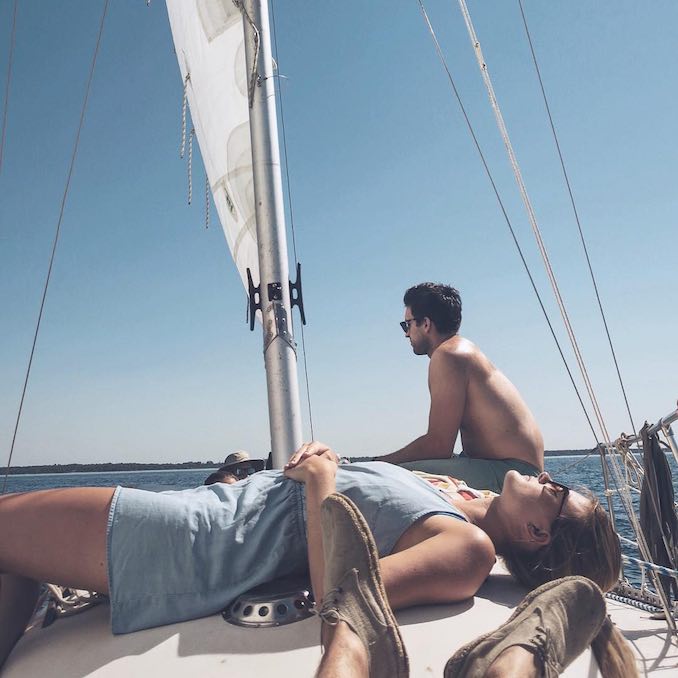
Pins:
x: 280, y: 356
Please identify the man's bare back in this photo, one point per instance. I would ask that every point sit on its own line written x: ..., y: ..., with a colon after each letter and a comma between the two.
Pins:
x: 495, y: 422
x: 469, y: 395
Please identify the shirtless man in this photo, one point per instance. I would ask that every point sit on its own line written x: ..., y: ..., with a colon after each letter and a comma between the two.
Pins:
x: 469, y: 395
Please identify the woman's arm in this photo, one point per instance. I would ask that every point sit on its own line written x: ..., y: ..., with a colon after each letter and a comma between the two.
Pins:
x: 318, y: 487
x: 439, y: 560
x: 448, y: 565
x: 315, y: 465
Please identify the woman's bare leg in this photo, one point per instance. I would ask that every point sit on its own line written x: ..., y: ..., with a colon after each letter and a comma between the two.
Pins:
x: 56, y: 536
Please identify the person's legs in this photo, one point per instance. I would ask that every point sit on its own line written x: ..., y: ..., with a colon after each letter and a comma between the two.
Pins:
x: 18, y: 596
x: 360, y: 635
x: 516, y: 662
x: 345, y: 655
x: 57, y: 536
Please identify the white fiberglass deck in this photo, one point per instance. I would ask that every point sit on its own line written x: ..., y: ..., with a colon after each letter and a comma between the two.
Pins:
x: 83, y: 645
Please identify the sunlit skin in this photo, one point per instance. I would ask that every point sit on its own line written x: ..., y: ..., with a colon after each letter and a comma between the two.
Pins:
x: 469, y: 397
x: 537, y: 498
x: 60, y: 536
x: 536, y: 503
x: 524, y: 512
x: 345, y: 655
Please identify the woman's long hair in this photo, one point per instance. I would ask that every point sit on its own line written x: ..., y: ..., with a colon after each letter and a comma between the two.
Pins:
x: 586, y: 546
x: 613, y: 654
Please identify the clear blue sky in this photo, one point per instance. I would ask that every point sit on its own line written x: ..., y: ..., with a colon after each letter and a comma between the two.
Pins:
x: 144, y: 354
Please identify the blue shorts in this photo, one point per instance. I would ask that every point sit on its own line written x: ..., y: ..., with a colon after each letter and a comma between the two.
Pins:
x: 174, y: 556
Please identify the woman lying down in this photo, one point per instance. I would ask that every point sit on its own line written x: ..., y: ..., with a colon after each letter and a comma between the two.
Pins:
x: 172, y: 556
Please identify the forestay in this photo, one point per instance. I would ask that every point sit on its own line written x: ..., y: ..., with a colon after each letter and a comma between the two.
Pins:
x: 209, y: 43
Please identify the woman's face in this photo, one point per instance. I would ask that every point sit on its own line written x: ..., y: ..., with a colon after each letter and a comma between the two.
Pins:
x: 536, y: 502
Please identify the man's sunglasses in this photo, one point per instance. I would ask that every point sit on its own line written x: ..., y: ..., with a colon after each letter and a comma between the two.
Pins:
x: 405, y: 324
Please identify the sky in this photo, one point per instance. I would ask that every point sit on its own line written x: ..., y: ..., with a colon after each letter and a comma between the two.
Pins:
x: 144, y: 354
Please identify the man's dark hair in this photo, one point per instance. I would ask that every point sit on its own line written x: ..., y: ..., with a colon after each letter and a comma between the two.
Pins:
x: 440, y: 303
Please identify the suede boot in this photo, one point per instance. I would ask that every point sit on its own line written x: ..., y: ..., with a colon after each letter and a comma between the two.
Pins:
x: 556, y: 621
x: 354, y: 590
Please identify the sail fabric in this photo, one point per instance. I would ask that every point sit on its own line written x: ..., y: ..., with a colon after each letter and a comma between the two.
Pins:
x: 209, y: 44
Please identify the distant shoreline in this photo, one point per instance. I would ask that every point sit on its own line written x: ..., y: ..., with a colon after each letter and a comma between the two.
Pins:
x: 186, y: 465
x: 567, y: 453
x: 107, y: 468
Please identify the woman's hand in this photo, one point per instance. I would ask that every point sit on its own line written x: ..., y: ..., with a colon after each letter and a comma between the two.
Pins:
x: 314, y: 458
x: 315, y: 465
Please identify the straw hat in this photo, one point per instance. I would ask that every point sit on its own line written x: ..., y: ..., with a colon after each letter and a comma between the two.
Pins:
x: 237, y: 457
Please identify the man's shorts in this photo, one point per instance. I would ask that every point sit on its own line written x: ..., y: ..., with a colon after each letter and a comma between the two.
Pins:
x: 483, y: 474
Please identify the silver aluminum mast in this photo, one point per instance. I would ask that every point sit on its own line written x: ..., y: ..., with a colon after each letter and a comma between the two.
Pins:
x: 279, y: 347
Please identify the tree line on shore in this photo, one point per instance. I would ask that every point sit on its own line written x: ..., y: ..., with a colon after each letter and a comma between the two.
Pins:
x: 110, y: 467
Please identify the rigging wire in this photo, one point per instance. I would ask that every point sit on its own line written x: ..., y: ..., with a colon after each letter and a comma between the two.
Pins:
x: 56, y: 235
x: 576, y: 215
x: 625, y: 497
x: 532, y: 218
x: 207, y: 201
x: 10, y: 60
x: 184, y: 103
x: 608, y: 446
x: 188, y: 137
x: 578, y: 461
x: 289, y: 202
x: 189, y: 165
x: 504, y: 212
x: 619, y: 482
x: 257, y: 39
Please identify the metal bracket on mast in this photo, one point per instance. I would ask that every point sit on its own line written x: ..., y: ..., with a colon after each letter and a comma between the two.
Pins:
x: 281, y: 326
x: 275, y: 296
x: 254, y: 304
x: 275, y: 299
x: 298, y: 299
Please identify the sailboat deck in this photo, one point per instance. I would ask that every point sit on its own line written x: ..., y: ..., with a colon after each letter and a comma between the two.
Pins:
x: 83, y: 645
x: 650, y: 639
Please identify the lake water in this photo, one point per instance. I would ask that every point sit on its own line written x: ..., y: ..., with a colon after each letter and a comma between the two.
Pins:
x: 572, y: 470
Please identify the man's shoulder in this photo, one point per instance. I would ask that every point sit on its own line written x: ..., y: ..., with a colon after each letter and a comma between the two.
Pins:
x: 458, y: 349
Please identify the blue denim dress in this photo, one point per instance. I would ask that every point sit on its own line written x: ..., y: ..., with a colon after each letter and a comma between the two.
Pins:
x: 174, y: 556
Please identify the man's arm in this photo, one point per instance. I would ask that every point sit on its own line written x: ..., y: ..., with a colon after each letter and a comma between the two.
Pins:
x: 447, y: 383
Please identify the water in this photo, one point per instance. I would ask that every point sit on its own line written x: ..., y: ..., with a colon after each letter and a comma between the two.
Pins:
x: 588, y: 472
x: 572, y: 470
x: 156, y: 481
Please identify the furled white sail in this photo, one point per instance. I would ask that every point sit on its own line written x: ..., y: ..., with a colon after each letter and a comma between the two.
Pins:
x: 209, y: 44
